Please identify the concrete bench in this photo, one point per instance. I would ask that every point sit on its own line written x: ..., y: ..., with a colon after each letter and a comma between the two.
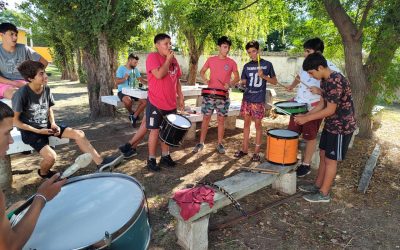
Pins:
x: 230, y: 120
x: 193, y: 233
x: 112, y: 100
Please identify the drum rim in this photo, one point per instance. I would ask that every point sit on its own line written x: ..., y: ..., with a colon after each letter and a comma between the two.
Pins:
x: 101, y: 244
x: 301, y: 105
x: 214, y: 89
x: 281, y: 137
x: 282, y: 164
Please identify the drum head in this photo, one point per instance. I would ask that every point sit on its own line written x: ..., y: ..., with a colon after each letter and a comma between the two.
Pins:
x: 289, y: 104
x: 179, y: 121
x: 85, y: 209
x: 283, y: 133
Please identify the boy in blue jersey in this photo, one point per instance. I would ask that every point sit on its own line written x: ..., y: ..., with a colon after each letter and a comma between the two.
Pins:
x: 255, y: 76
x: 125, y: 78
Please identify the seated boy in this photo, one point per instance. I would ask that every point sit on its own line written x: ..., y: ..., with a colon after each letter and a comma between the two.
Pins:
x: 337, y: 107
x: 34, y: 116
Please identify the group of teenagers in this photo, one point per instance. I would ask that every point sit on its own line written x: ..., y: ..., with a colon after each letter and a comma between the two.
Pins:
x: 24, y: 80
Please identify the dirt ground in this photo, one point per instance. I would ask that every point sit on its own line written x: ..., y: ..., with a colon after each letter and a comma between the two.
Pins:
x: 351, y: 220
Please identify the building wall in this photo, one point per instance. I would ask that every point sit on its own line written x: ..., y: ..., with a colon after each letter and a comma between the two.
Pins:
x: 44, y: 52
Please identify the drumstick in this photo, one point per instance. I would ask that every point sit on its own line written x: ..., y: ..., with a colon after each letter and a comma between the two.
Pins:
x: 301, y: 81
x: 258, y: 59
x: 81, y: 161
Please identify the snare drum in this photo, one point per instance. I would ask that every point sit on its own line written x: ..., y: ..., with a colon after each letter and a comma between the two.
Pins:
x: 291, y: 107
x: 282, y: 146
x: 96, y: 211
x: 173, y: 129
x: 214, y: 93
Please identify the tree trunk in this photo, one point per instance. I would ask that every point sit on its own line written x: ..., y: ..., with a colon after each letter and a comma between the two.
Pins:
x: 195, y: 51
x: 90, y: 65
x: 5, y: 172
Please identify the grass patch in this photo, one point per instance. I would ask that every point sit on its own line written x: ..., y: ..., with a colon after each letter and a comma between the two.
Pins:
x: 53, y: 72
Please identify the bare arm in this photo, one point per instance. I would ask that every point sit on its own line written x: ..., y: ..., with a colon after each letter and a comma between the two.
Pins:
x: 329, y: 110
x: 11, y: 82
x: 181, y: 100
x: 203, y: 74
x: 236, y: 78
x: 295, y: 82
x: 19, y: 124
x: 162, y: 71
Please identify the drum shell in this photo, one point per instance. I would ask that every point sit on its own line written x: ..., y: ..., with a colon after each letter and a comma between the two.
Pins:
x: 281, y: 150
x: 134, y: 234
x: 172, y: 134
x: 301, y: 108
x: 214, y: 93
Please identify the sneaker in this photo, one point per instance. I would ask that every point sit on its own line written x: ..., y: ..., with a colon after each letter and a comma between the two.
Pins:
x: 133, y: 120
x: 239, y: 154
x: 310, y: 188
x: 48, y: 175
x: 220, y: 149
x: 167, y: 161
x: 127, y: 151
x: 109, y: 162
x: 152, y: 165
x: 317, y: 197
x: 198, y: 147
x: 256, y: 158
x: 303, y: 170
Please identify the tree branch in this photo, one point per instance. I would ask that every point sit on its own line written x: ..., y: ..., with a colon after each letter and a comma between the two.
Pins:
x: 245, y: 7
x: 364, y: 19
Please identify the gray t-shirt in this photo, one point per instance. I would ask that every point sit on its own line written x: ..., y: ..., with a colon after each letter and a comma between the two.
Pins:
x: 9, y: 62
x: 34, y: 107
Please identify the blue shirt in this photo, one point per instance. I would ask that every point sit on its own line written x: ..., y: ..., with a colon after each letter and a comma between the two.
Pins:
x: 133, y: 75
x: 255, y: 85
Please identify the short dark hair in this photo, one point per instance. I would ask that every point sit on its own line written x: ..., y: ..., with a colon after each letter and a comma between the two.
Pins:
x: 316, y: 44
x: 160, y: 37
x: 133, y: 56
x: 5, y: 111
x: 252, y: 44
x: 224, y: 40
x: 4, y: 27
x: 29, y: 69
x: 313, y: 61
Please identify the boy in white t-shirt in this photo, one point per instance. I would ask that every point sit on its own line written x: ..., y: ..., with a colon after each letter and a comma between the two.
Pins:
x: 310, y: 129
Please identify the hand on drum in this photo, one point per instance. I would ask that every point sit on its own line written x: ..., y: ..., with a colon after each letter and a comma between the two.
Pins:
x: 301, y: 119
x: 51, y: 187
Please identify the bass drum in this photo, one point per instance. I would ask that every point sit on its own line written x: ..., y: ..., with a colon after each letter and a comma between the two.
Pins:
x: 96, y: 211
x: 173, y: 129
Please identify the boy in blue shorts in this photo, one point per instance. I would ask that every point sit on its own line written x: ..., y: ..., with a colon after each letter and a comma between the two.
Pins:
x: 255, y: 76
x: 337, y: 107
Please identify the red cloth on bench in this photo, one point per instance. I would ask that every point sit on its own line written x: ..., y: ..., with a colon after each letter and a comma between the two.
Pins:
x: 189, y: 200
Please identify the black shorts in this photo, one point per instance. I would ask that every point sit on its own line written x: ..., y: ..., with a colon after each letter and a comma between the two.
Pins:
x: 154, y: 116
x: 335, y: 145
x: 38, y: 141
x: 121, y: 95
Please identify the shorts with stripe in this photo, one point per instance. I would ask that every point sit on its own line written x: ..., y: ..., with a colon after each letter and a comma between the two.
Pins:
x: 335, y: 145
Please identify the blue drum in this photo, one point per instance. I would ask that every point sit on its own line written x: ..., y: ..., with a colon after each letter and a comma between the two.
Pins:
x: 96, y: 211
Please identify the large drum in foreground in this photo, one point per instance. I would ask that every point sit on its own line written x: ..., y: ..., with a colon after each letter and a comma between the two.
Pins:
x: 282, y: 146
x: 173, y: 129
x: 292, y: 108
x: 95, y: 211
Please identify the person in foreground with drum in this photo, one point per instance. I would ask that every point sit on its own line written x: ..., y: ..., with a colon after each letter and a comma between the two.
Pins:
x: 16, y: 237
x: 164, y: 95
x: 255, y: 76
x: 221, y: 69
x: 309, y: 130
x: 339, y: 124
x: 35, y: 118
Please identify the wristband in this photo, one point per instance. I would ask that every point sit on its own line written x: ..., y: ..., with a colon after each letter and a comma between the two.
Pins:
x: 42, y: 196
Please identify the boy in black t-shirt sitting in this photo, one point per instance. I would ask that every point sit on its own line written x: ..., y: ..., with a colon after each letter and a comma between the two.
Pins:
x: 337, y: 107
x: 34, y: 116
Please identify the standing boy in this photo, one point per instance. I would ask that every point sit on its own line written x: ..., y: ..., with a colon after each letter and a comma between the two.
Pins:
x: 221, y: 69
x: 12, y: 54
x: 34, y: 116
x: 339, y: 124
x: 255, y: 76
x: 164, y: 94
x: 310, y: 129
x: 126, y: 78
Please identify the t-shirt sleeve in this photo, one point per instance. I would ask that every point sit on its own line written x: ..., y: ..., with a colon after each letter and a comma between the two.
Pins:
x: 120, y: 72
x: 32, y: 54
x: 137, y: 73
x: 271, y: 71
x: 152, y: 63
x: 17, y: 101
x: 207, y: 64
x: 333, y: 90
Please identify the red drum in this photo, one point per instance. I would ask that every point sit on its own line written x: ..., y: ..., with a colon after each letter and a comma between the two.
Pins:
x: 214, y: 93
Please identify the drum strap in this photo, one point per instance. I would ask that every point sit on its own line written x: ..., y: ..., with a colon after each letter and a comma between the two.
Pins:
x: 235, y: 203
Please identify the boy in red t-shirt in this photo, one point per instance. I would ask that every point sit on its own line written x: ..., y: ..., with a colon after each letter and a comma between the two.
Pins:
x: 164, y: 94
x: 221, y: 69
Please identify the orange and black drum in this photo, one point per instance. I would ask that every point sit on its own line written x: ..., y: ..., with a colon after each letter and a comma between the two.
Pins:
x: 282, y: 146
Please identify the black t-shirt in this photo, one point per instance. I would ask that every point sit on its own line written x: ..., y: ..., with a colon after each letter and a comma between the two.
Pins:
x: 34, y: 108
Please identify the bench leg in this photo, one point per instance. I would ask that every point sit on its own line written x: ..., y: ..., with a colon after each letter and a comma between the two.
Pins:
x: 230, y: 122
x: 5, y: 172
x: 315, y: 159
x: 193, y: 235
x: 286, y: 183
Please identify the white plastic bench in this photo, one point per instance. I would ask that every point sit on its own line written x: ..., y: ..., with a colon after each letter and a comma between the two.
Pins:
x: 193, y: 233
x: 112, y: 100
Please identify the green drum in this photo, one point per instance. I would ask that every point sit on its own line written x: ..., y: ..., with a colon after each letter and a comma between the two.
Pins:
x: 96, y: 211
x: 291, y: 107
